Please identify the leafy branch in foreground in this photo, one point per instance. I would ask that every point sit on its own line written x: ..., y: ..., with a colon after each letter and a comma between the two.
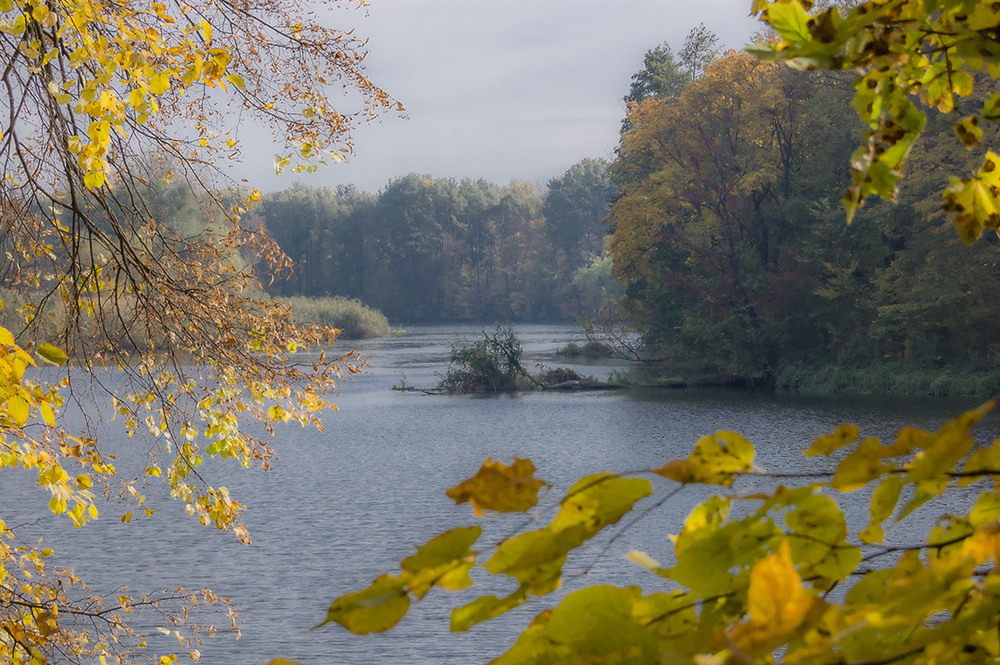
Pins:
x: 904, y: 52
x: 751, y: 574
x: 105, y: 105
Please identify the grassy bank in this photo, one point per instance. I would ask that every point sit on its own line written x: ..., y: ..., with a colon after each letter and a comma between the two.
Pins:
x: 353, y: 318
x: 890, y: 379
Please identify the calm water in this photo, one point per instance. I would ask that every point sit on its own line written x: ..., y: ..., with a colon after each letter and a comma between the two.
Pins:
x: 341, y: 507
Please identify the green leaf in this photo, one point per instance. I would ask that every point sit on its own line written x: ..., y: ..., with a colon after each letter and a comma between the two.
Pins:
x: 373, y: 610
x: 599, y: 500
x: 485, y: 608
x: 715, y: 560
x: 52, y: 354
x: 443, y: 549
x: 594, y: 625
x: 790, y: 20
x: 986, y: 509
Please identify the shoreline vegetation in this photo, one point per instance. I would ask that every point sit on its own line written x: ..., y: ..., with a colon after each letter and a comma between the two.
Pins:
x: 353, y: 318
x: 484, y: 370
x: 492, y: 364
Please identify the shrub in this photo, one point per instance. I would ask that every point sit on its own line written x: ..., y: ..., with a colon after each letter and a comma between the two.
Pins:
x: 591, y: 349
x: 490, y: 364
x: 559, y: 375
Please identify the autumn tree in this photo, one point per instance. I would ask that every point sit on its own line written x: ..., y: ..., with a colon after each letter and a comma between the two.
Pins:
x: 703, y: 230
x: 104, y: 106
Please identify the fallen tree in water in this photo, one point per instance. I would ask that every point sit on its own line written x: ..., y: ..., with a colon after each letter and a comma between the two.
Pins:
x: 493, y: 364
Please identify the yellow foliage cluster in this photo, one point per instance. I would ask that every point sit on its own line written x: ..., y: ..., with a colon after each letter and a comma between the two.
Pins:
x: 108, y: 108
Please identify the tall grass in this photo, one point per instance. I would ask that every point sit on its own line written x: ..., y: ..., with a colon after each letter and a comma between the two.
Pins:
x: 889, y: 379
x: 353, y: 318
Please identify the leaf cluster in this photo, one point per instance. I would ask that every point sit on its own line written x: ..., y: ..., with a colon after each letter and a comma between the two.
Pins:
x: 903, y: 53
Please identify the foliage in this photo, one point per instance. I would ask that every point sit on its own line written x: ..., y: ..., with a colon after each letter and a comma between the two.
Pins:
x: 351, y: 317
x: 489, y: 364
x: 576, y: 204
x: 659, y: 77
x: 754, y: 571
x: 557, y: 375
x: 762, y: 572
x: 699, y: 50
x: 590, y: 349
x: 701, y: 234
x: 426, y: 249
x: 904, y: 50
x: 734, y: 257
x: 114, y: 117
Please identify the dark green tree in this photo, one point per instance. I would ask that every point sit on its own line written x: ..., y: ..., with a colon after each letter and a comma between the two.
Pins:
x: 659, y: 78
x: 576, y: 204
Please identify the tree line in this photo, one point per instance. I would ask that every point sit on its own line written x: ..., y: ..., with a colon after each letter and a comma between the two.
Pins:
x: 729, y: 237
x: 432, y: 249
x: 726, y: 247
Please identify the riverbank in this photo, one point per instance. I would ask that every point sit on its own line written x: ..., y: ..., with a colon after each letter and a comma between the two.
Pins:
x: 888, y: 380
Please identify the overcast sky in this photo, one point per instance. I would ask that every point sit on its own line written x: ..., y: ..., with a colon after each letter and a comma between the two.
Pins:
x: 501, y: 89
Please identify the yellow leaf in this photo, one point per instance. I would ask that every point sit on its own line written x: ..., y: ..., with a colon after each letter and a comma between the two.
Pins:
x: 206, y: 30
x: 137, y: 98
x: 778, y: 604
x: 159, y: 83
x: 828, y: 443
x: 499, y: 487
x: 40, y: 13
x: 716, y: 459
x: 47, y: 415
x: 94, y: 179
x: 17, y: 409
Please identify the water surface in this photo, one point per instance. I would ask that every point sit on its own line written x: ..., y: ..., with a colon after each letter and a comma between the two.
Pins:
x: 341, y: 507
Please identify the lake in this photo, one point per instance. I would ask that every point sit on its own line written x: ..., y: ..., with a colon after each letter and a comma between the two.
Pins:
x: 341, y: 507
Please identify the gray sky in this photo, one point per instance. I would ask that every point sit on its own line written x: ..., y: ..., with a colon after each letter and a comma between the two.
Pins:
x: 501, y: 89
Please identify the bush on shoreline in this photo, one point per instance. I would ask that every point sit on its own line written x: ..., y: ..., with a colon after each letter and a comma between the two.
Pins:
x: 353, y: 318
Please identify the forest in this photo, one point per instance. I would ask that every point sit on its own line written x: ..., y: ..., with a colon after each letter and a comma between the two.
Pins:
x: 717, y: 232
x: 430, y: 249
